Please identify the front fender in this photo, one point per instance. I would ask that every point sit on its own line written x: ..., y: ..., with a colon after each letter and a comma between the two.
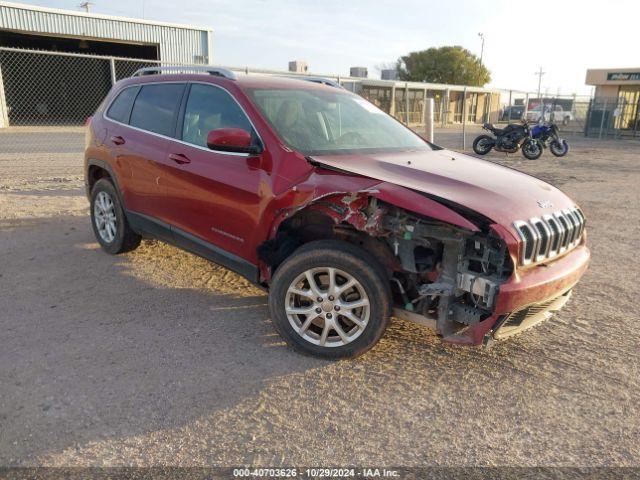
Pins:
x: 345, y: 199
x: 392, y: 194
x: 414, y: 202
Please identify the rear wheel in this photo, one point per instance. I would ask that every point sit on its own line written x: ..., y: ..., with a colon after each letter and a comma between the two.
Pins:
x: 559, y: 148
x: 108, y: 220
x: 483, y: 144
x: 532, y: 149
x: 330, y: 299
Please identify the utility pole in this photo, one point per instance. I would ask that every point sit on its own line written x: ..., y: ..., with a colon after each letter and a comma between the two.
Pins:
x: 86, y: 6
x: 481, y: 35
x: 540, y: 73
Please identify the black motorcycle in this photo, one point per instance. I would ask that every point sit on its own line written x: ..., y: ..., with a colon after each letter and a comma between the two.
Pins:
x: 509, y: 139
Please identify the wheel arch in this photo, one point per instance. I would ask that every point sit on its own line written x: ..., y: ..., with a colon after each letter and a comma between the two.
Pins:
x: 337, y: 216
x: 353, y: 216
x: 97, y: 169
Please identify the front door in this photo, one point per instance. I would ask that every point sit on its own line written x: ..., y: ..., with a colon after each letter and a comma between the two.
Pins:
x: 213, y: 197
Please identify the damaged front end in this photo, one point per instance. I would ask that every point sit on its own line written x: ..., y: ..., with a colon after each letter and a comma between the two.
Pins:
x: 442, y: 275
x: 450, y: 277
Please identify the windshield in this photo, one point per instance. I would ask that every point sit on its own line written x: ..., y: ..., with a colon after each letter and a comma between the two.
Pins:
x: 317, y: 122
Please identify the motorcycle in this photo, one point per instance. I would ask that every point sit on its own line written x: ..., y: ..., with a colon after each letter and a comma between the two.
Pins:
x: 509, y: 139
x: 549, y: 135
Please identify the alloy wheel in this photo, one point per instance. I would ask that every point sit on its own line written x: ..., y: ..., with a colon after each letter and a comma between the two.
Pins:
x: 104, y: 214
x: 327, y: 307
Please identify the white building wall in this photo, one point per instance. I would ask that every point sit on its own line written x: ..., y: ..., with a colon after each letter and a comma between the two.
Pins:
x: 177, y: 43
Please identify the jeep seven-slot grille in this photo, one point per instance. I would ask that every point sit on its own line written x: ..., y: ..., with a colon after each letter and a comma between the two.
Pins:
x: 550, y: 235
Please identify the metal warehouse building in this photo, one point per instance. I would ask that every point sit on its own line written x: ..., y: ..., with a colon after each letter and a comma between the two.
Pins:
x: 89, y: 52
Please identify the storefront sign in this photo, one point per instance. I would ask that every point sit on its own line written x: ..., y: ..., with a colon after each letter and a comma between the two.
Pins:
x: 620, y: 76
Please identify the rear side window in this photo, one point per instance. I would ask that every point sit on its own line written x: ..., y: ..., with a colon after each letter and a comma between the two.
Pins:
x: 156, y: 106
x: 121, y: 106
x: 209, y: 108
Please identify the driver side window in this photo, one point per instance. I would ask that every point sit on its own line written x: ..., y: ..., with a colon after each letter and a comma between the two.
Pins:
x: 209, y: 108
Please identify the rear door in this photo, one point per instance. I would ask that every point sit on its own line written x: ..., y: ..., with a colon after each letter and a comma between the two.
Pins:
x: 152, y: 124
x: 113, y: 137
x: 214, y: 196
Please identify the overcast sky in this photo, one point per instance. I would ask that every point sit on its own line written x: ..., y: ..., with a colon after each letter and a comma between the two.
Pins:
x: 564, y: 37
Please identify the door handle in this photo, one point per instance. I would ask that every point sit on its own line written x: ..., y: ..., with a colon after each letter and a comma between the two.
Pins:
x: 179, y: 158
x: 118, y: 140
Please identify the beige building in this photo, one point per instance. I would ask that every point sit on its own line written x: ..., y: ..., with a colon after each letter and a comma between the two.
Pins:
x: 405, y: 101
x: 617, y: 96
x: 614, y: 82
x: 298, y: 66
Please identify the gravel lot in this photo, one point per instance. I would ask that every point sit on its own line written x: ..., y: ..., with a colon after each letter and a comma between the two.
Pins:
x: 158, y: 357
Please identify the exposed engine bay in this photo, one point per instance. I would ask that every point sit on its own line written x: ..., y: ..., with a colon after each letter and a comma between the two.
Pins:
x: 448, y: 274
x: 441, y: 275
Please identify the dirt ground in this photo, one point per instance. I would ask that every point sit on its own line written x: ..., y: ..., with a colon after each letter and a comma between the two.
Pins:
x: 158, y: 357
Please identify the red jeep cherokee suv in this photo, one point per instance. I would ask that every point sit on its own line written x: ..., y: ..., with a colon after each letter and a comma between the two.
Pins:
x: 346, y: 216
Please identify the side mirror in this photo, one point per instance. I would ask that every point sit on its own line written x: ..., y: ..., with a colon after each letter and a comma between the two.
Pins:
x: 235, y: 140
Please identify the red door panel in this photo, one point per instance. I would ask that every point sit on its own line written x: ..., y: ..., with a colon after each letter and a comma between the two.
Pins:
x: 141, y: 123
x: 138, y: 157
x: 215, y: 196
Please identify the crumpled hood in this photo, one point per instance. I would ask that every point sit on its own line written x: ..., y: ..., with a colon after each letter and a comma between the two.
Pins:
x: 499, y: 193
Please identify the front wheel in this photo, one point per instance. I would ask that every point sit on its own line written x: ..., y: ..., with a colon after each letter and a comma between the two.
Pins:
x: 532, y: 149
x: 483, y: 144
x: 559, y: 148
x: 330, y: 299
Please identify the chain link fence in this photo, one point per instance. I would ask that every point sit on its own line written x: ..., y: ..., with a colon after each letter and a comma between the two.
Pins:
x: 34, y: 95
x: 46, y: 97
x: 617, y: 117
x: 613, y: 117
x: 57, y: 89
x: 125, y: 68
x: 570, y: 112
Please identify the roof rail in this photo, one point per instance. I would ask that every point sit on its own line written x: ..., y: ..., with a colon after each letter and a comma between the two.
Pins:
x: 321, y: 80
x: 217, y: 71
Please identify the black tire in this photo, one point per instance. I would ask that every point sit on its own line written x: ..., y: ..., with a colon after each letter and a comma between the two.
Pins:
x: 531, y: 149
x: 351, y: 260
x: 483, y: 144
x: 124, y: 239
x: 559, y: 149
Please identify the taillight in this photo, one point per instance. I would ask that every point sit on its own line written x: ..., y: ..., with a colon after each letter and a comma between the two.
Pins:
x: 87, y: 122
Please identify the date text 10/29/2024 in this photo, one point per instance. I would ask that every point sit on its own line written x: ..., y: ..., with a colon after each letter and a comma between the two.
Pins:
x: 315, y: 473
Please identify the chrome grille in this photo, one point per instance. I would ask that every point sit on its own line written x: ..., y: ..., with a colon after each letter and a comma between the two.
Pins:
x: 549, y: 236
